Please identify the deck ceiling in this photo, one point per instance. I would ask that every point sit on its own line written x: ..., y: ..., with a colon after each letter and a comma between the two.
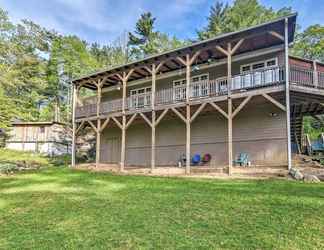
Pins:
x: 255, y: 38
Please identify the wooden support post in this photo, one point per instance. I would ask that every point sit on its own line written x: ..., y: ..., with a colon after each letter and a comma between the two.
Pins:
x: 229, y: 112
x: 287, y: 96
x: 74, y: 100
x: 241, y: 106
x: 98, y: 132
x: 154, y: 70
x: 124, y: 79
x: 230, y: 136
x: 188, y: 140
x: 188, y: 62
x: 315, y: 74
x: 123, y: 141
x: 98, y: 143
x: 229, y: 53
x: 153, y: 118
x: 274, y: 101
x: 159, y: 119
x: 123, y: 146
x: 153, y: 141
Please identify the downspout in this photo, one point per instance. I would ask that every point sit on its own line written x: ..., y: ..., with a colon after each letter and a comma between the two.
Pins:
x: 74, y: 91
x: 287, y: 95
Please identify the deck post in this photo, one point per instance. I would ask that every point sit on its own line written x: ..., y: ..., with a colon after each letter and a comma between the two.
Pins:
x: 315, y: 74
x: 188, y: 62
x: 153, y: 71
x: 287, y: 96
x: 123, y: 142
x: 74, y: 100
x: 153, y: 117
x: 229, y: 112
x: 124, y: 79
x: 98, y: 124
x: 229, y: 53
x: 188, y: 128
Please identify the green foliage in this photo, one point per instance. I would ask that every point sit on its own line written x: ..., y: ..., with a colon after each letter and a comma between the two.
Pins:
x: 146, y: 41
x: 36, y: 66
x: 310, y: 43
x: 313, y: 127
x: 241, y: 14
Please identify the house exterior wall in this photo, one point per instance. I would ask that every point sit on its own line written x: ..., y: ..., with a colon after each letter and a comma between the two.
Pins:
x: 255, y: 131
x: 214, y: 73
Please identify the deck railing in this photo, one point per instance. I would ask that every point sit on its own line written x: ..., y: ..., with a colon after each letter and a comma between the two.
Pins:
x: 306, y: 77
x: 320, y: 79
x: 301, y: 76
x: 209, y: 88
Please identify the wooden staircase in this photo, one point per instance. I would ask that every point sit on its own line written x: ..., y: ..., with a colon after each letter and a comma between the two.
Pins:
x: 296, y: 130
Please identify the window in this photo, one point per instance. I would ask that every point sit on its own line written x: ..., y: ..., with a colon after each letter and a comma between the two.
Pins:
x: 258, y: 73
x: 272, y: 62
x: 245, y: 68
x: 199, y: 87
x: 179, y: 89
x: 140, y: 97
x: 259, y: 65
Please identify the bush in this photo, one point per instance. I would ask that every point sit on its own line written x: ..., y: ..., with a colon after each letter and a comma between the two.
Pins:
x: 8, y: 168
x: 61, y: 160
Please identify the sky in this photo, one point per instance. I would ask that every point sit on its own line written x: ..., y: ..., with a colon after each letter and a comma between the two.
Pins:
x: 103, y: 21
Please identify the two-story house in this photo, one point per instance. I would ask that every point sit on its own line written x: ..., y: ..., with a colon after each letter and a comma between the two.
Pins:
x: 237, y: 92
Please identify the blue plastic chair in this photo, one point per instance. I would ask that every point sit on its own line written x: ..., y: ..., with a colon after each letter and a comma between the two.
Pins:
x: 242, y: 160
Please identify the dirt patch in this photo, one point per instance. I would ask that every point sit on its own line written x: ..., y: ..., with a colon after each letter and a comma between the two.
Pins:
x: 303, y: 163
x: 196, y: 172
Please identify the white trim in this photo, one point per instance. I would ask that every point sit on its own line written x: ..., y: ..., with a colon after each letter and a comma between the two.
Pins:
x: 144, y: 88
x: 257, y: 62
x: 179, y: 92
x: 146, y: 95
x: 235, y: 58
x: 184, y: 79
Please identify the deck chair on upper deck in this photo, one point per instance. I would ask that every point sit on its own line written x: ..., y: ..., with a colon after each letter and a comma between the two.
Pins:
x: 242, y: 159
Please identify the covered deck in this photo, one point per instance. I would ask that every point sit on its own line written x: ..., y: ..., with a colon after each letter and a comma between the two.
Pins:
x: 227, y: 95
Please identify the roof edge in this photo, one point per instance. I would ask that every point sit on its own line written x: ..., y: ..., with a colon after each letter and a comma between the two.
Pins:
x: 185, y: 47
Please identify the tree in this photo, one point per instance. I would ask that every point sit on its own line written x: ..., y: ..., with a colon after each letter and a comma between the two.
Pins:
x: 108, y: 55
x: 22, y: 71
x: 310, y: 43
x: 216, y: 19
x: 242, y: 14
x: 69, y: 58
x: 146, y: 41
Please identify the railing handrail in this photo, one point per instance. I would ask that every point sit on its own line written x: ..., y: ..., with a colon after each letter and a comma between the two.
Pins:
x: 209, y: 87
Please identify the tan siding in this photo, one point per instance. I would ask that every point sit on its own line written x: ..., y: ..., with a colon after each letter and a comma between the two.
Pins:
x: 254, y: 132
x: 214, y: 72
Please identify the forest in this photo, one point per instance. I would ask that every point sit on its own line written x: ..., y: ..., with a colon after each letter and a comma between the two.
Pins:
x: 37, y: 64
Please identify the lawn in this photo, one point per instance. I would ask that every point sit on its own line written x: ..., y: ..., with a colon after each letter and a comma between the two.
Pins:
x: 59, y: 208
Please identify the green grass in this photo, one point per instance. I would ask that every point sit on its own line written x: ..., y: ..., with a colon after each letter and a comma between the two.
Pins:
x: 59, y: 208
x: 13, y: 156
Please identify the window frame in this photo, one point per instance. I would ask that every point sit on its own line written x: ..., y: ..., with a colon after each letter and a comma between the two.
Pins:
x: 265, y: 62
x: 134, y: 96
x: 182, y: 95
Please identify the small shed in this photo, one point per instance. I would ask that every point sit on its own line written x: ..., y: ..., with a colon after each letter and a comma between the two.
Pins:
x: 50, y: 138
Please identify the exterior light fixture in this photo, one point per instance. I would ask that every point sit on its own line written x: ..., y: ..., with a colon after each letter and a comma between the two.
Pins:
x: 272, y: 114
x: 119, y: 86
x: 195, y: 68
